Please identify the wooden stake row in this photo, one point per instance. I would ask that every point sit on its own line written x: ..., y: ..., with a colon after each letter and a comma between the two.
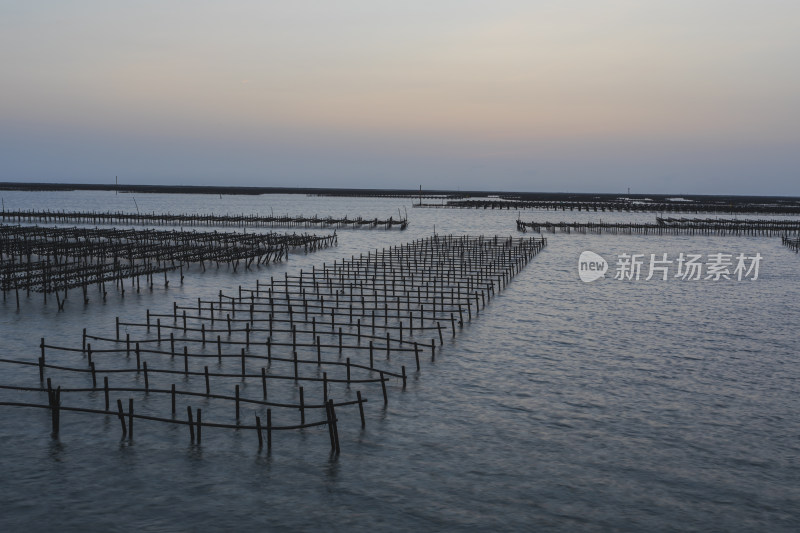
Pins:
x: 628, y: 206
x: 671, y: 226
x: 54, y: 260
x: 211, y: 220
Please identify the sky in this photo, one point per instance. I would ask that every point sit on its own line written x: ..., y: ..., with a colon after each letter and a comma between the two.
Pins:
x: 675, y: 96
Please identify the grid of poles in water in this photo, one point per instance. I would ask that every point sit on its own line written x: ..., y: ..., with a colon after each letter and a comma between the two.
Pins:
x: 792, y: 244
x: 194, y: 219
x: 53, y: 260
x: 629, y: 206
x: 672, y: 226
x: 293, y: 353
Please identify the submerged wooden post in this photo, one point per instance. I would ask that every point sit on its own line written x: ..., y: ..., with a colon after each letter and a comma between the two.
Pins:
x: 383, y: 387
x: 191, y: 422
x: 269, y: 429
x: 55, y: 409
x: 130, y: 418
x: 361, y: 409
x: 329, y: 417
x: 302, y: 408
x: 121, y: 415
x: 258, y: 430
x: 199, y: 425
x: 335, y: 425
x: 237, y: 402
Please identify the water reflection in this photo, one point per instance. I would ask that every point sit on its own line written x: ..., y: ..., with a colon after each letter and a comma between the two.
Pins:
x: 564, y: 405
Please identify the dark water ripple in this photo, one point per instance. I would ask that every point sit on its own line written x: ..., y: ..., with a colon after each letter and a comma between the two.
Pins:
x: 659, y: 406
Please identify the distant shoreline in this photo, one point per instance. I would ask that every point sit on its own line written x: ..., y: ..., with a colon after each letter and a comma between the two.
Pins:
x: 386, y: 193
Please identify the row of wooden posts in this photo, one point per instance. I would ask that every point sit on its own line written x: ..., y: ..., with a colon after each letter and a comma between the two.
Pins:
x: 197, y: 219
x: 671, y: 226
x: 54, y: 260
x: 621, y: 206
x: 319, y: 333
x: 792, y: 244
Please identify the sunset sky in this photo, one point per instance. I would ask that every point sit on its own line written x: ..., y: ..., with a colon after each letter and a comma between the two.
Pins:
x: 675, y: 96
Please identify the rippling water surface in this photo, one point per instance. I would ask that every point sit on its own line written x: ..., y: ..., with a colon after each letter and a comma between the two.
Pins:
x: 615, y: 405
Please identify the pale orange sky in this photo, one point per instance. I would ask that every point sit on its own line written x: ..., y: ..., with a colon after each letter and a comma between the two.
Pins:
x: 591, y: 94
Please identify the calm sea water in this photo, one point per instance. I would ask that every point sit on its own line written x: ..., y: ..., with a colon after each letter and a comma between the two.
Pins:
x: 635, y: 405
